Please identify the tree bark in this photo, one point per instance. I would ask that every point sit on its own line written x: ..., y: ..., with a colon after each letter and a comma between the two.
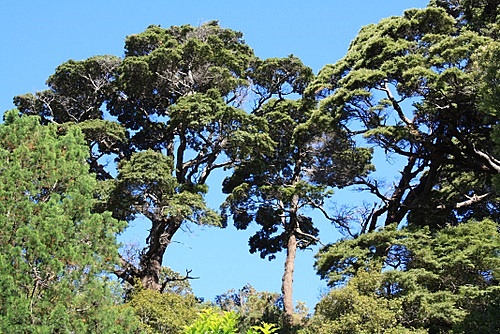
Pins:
x: 151, y: 260
x: 287, y: 281
x: 151, y: 257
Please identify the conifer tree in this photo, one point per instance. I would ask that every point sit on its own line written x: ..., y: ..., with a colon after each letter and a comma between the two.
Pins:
x: 55, y: 251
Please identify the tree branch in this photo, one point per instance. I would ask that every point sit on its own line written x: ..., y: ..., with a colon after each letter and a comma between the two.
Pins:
x: 373, y: 188
x: 494, y: 163
x: 128, y: 271
x: 384, y: 87
x: 308, y: 236
x: 176, y: 279
x: 471, y: 200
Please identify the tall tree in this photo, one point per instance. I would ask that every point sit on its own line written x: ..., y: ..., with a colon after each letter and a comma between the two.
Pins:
x: 408, y: 85
x: 54, y: 250
x: 175, y: 115
x: 273, y: 189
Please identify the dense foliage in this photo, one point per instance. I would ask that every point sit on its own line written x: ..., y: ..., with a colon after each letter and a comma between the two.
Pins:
x: 163, y: 312
x: 114, y: 139
x: 409, y: 85
x: 430, y: 281
x: 54, y: 251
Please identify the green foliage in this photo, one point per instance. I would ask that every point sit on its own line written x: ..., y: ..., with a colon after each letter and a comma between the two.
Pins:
x: 409, y: 84
x: 422, y: 87
x: 77, y: 91
x: 479, y: 16
x: 177, y: 99
x: 216, y: 322
x: 54, y: 250
x: 279, y: 76
x: 487, y: 59
x: 212, y: 321
x: 436, y: 281
x: 145, y: 184
x: 358, y: 308
x: 252, y: 307
x: 163, y: 312
x: 265, y: 328
x: 174, y: 64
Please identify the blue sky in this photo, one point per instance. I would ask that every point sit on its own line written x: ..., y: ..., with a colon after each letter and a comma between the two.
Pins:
x: 37, y: 36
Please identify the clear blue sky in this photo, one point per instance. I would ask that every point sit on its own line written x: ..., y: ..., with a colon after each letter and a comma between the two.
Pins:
x: 37, y: 36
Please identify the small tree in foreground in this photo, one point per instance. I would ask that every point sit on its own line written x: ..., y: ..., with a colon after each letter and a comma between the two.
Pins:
x: 212, y: 321
x: 163, y: 312
x: 54, y: 250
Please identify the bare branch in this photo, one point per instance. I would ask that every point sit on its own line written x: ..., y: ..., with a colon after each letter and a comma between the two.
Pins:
x: 372, y: 187
x: 471, y: 200
x: 127, y: 272
x: 494, y: 163
x: 176, y: 279
x: 307, y: 235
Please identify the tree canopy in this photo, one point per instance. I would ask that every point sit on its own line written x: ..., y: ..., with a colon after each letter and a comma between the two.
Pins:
x: 114, y: 139
x: 176, y: 100
x: 408, y: 85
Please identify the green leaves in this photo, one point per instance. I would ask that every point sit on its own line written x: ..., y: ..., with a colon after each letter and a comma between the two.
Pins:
x: 211, y: 321
x: 409, y: 85
x: 163, y: 312
x: 264, y: 329
x: 186, y: 101
x: 53, y: 246
x: 427, y: 276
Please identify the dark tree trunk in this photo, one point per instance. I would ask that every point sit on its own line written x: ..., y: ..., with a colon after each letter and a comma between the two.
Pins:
x: 151, y: 258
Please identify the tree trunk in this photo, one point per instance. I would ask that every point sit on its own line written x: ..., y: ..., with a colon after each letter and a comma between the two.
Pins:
x: 151, y: 260
x: 151, y: 257
x: 150, y: 276
x: 287, y: 281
